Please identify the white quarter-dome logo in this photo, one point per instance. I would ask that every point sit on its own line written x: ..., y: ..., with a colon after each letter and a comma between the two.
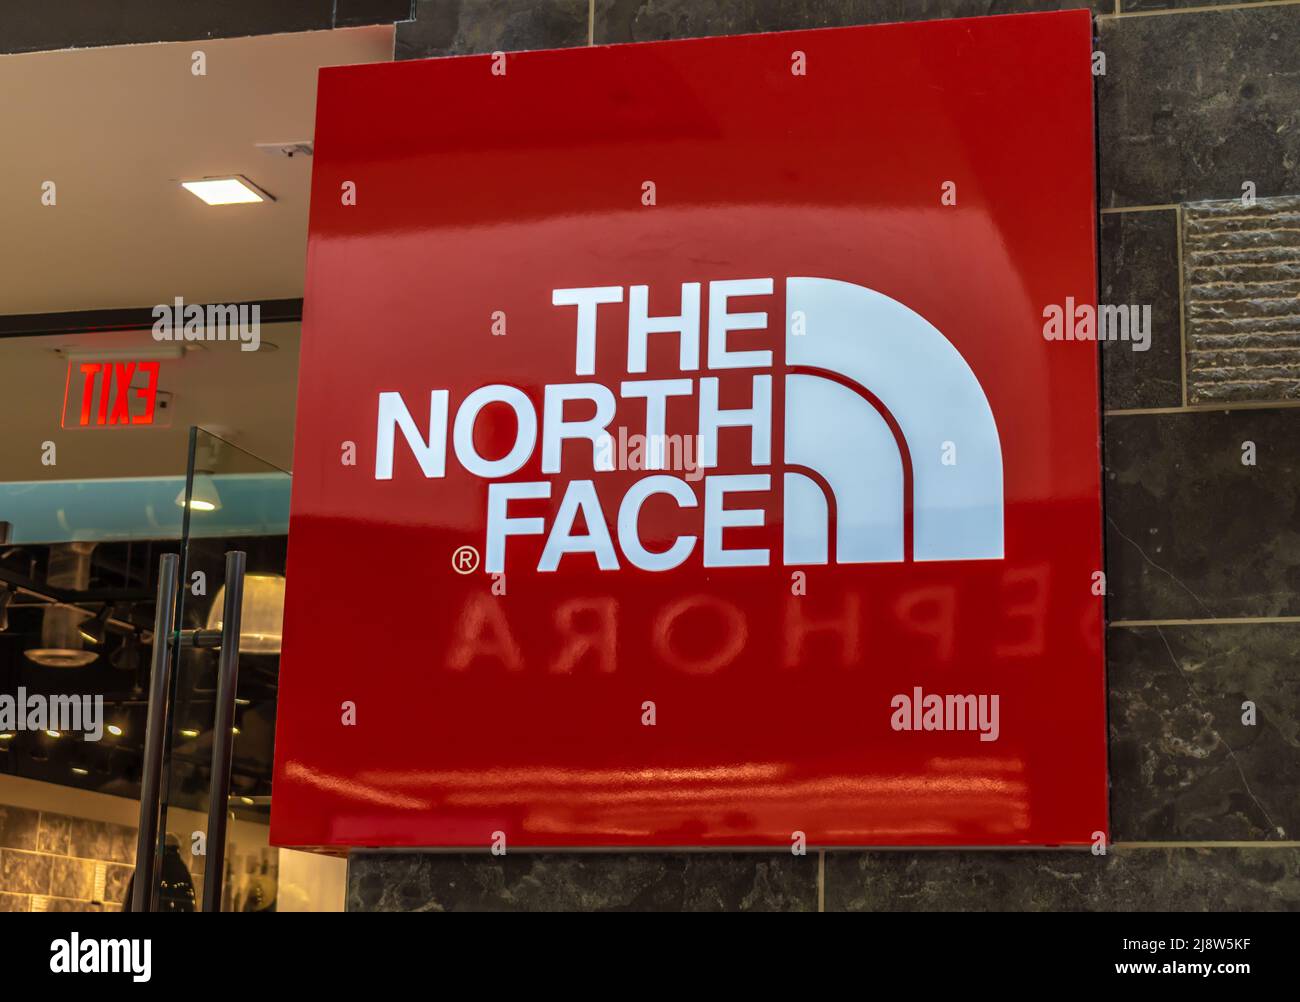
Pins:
x: 876, y: 344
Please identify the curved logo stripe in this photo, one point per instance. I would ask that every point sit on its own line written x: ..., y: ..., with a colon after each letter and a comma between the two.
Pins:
x: 831, y: 429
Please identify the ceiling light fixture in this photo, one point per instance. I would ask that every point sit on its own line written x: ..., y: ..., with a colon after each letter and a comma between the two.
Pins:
x: 204, y: 496
x: 230, y: 190
x: 61, y: 639
x: 262, y: 613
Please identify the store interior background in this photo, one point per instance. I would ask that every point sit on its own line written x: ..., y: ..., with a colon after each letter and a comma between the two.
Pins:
x: 116, y: 128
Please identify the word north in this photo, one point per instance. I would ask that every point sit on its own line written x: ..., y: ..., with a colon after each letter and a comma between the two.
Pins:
x: 934, y: 712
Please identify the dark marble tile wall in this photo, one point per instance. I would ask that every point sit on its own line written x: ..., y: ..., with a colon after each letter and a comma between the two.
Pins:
x: 1202, y: 515
x: 1189, y: 760
x: 1193, y: 104
x: 71, y: 24
x: 1138, y: 266
x: 48, y: 861
x: 464, y: 27
x: 649, y: 20
x: 692, y: 882
x: 459, y: 27
x: 1125, y: 879
x: 1193, y: 532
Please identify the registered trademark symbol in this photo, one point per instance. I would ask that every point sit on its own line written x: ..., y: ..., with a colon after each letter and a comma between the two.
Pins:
x: 465, y: 560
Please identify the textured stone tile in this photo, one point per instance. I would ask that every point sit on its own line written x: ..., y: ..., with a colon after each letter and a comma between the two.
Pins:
x: 1138, y: 266
x: 72, y: 878
x: 651, y: 20
x: 102, y: 840
x: 55, y: 833
x: 1126, y: 879
x: 14, y: 902
x: 1193, y: 105
x: 19, y: 827
x: 463, y: 27
x: 1191, y: 532
x: 1183, y: 765
x: 1242, y: 290
x: 25, y: 872
x: 582, y: 882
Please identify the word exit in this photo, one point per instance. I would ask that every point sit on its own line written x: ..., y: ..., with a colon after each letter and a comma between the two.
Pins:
x: 110, y: 393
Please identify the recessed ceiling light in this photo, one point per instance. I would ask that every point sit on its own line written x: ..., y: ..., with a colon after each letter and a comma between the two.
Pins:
x: 233, y: 190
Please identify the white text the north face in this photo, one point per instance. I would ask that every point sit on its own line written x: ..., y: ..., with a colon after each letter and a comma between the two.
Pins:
x: 852, y: 357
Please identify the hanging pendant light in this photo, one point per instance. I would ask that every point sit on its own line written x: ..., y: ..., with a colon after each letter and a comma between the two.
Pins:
x: 261, y: 625
x: 203, y: 495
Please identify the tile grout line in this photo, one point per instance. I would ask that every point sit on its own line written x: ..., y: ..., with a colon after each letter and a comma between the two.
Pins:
x: 591, y: 22
x: 1138, y: 208
x: 1130, y: 624
x: 1195, y: 10
x: 1236, y: 405
x: 821, y: 880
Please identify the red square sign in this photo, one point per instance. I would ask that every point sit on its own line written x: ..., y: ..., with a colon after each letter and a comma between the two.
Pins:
x: 681, y: 457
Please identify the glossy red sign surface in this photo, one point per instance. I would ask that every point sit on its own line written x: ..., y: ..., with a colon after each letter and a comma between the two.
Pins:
x: 846, y: 587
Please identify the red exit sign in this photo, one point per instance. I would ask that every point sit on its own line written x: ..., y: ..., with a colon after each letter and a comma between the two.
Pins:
x: 113, y: 393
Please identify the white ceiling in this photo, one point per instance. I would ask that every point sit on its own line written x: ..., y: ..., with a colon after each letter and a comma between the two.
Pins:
x: 116, y: 129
